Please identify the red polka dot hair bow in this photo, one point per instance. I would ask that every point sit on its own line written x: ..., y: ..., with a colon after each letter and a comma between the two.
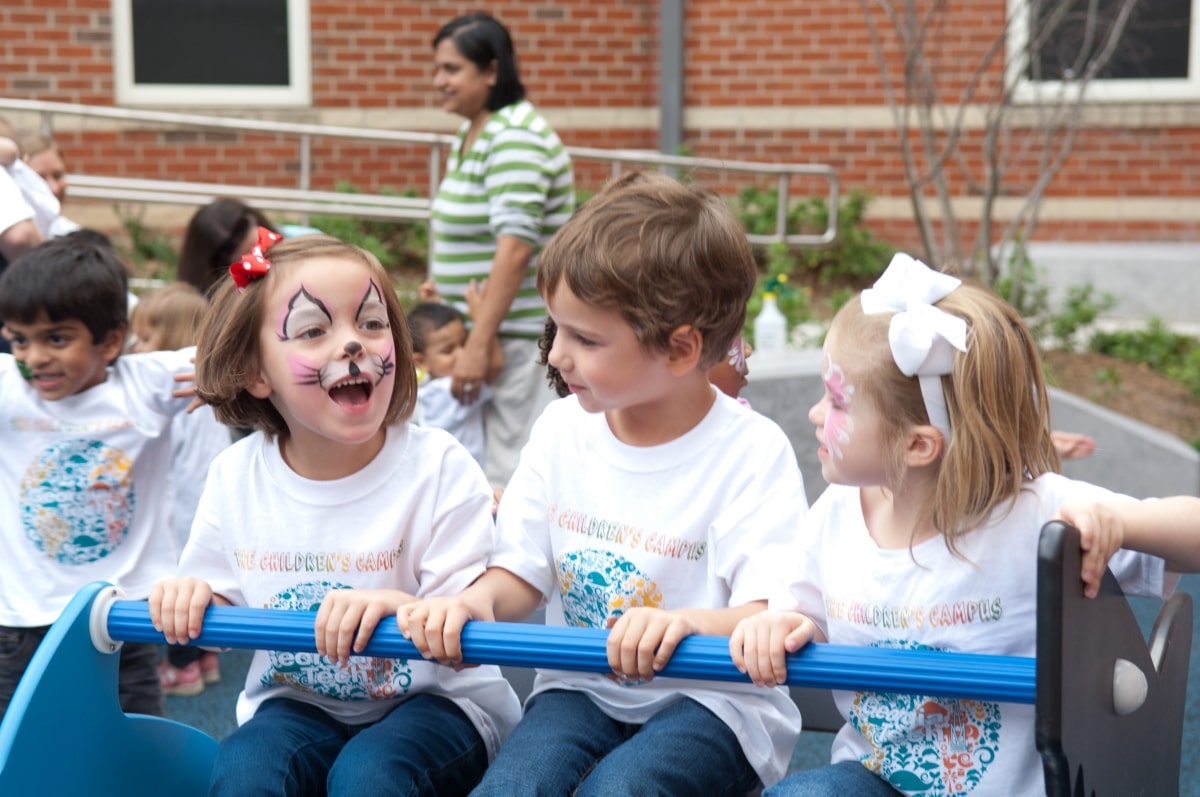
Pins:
x: 254, y: 265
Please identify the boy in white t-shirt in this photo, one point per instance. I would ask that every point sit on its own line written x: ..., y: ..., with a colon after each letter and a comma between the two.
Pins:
x: 85, y: 493
x: 647, y: 502
x: 439, y: 333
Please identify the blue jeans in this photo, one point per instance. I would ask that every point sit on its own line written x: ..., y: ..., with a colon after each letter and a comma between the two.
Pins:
x: 566, y: 745
x: 424, y: 746
x: 138, y: 688
x: 844, y: 779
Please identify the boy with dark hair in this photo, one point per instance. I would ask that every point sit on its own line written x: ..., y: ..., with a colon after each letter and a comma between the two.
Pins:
x: 439, y: 334
x: 85, y: 490
x: 647, y: 502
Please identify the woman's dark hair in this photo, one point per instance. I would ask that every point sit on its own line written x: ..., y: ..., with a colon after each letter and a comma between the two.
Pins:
x: 481, y: 39
x: 212, y: 240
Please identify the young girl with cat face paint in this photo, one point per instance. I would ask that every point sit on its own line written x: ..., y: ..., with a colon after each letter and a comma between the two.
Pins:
x: 338, y: 505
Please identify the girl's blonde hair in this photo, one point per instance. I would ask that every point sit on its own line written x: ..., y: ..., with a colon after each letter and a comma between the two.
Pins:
x: 996, y: 398
x: 173, y: 313
x: 228, y: 356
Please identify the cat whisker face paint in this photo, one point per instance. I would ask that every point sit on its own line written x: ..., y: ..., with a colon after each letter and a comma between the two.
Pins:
x: 330, y: 354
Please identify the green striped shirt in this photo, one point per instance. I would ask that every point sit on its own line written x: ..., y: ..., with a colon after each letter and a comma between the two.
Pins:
x: 516, y: 180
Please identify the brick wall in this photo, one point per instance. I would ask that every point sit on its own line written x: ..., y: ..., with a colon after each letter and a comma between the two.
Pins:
x: 752, y: 57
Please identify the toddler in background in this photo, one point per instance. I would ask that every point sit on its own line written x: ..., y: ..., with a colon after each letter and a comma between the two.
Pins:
x: 166, y: 319
x: 34, y: 190
x: 438, y: 334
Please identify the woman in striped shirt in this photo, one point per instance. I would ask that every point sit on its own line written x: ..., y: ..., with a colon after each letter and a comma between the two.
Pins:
x: 508, y: 188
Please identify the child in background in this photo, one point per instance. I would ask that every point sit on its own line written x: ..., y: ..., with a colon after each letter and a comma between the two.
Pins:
x: 606, y: 519
x: 336, y: 503
x: 46, y: 159
x: 34, y: 190
x: 84, y: 488
x: 730, y: 375
x: 217, y: 234
x: 166, y: 319
x: 439, y: 333
x: 934, y: 435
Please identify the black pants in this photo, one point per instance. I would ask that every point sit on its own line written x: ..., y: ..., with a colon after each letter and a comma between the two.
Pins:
x: 137, y: 687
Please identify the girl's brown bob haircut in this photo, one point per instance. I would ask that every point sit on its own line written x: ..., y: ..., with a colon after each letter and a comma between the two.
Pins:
x: 228, y: 355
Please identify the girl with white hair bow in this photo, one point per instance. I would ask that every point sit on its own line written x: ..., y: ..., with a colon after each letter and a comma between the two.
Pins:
x: 934, y: 434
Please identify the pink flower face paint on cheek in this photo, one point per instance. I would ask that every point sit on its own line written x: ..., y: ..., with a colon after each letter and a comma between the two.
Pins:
x: 838, y: 423
x: 838, y: 426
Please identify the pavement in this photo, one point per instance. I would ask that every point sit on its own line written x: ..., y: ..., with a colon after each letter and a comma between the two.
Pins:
x: 213, y: 711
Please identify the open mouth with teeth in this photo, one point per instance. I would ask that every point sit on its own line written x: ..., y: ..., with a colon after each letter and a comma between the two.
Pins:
x: 353, y: 391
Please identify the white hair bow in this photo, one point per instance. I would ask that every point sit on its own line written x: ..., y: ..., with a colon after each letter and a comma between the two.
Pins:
x: 923, y: 338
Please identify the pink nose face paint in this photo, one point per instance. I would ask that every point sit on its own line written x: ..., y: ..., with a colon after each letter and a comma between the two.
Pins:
x: 838, y: 423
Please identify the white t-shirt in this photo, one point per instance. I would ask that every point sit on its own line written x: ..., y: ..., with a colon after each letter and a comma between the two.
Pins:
x: 600, y: 526
x: 196, y: 439
x: 417, y: 518
x: 13, y: 207
x: 83, y: 493
x: 437, y: 407
x: 37, y: 194
x: 982, y: 602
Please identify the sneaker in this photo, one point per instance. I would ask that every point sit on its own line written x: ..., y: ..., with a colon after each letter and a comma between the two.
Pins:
x: 210, y: 668
x: 180, y: 681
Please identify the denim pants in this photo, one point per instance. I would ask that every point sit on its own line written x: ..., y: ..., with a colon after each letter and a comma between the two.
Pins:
x: 566, y: 745
x: 424, y: 746
x: 137, y: 683
x: 844, y: 779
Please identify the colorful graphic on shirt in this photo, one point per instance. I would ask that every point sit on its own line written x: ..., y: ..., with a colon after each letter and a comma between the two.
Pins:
x: 77, y: 501
x: 596, y: 585
x: 359, y: 678
x: 924, y: 745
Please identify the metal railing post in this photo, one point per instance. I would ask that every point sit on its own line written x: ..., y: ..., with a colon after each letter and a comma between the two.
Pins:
x: 304, y: 200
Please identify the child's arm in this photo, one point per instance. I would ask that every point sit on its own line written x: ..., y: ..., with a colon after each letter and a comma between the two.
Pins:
x: 177, y: 607
x: 474, y: 298
x: 348, y: 617
x: 1168, y: 528
x: 760, y: 644
x: 8, y: 151
x: 642, y: 640
x: 435, y: 625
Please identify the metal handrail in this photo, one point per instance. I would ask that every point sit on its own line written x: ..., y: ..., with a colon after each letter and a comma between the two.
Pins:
x: 365, y: 205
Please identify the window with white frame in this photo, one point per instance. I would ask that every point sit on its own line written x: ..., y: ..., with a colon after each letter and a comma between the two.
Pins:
x: 212, y: 52
x: 1052, y: 43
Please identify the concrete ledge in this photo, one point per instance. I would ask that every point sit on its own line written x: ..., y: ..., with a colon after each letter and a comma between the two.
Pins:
x: 1130, y: 458
x: 1148, y: 278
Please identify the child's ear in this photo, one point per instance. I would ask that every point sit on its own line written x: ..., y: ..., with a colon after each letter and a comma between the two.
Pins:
x: 925, y: 446
x: 113, y: 343
x: 418, y: 359
x: 686, y: 345
x: 258, y: 385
